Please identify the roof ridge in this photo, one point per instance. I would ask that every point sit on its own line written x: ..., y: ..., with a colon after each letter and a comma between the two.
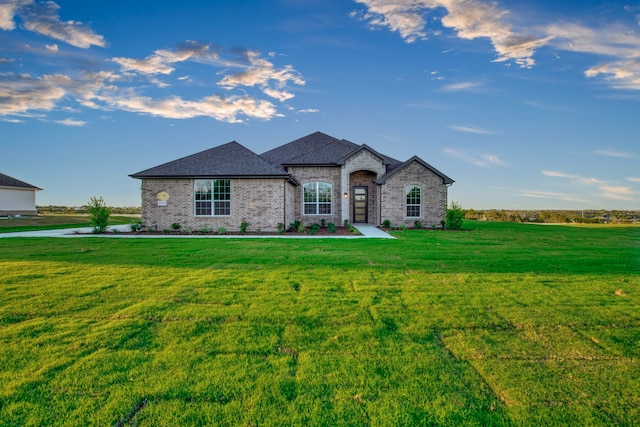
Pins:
x: 317, y: 147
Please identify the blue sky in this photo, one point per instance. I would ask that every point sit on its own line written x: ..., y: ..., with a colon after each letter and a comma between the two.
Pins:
x: 525, y: 104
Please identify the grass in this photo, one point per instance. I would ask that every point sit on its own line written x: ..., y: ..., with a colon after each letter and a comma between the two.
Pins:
x: 504, y: 324
x: 55, y: 222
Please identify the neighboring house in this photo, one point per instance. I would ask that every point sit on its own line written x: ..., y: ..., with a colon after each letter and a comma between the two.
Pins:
x: 313, y: 178
x: 17, y: 197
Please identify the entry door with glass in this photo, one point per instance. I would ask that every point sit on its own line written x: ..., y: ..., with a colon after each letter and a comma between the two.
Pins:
x: 360, y: 205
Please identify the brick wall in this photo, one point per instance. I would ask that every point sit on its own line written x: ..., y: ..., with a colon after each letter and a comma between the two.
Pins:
x: 257, y: 201
x: 355, y: 168
x: 317, y: 174
x: 394, y: 196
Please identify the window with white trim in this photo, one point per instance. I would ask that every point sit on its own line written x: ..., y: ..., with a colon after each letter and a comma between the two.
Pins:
x: 414, y: 201
x: 212, y: 197
x: 316, y: 198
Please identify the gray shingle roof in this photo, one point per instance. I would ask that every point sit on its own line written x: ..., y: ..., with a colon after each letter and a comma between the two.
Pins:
x: 7, y: 181
x: 228, y: 160
x: 234, y: 160
x: 445, y: 178
x: 315, y: 149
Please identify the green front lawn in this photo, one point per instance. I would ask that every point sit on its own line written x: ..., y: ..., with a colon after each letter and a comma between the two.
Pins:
x: 55, y: 222
x: 504, y: 324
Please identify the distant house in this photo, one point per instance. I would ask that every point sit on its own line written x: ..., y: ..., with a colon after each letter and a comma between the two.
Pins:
x: 311, y: 179
x: 17, y: 197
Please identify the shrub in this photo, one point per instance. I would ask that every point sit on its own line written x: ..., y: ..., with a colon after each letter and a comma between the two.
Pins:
x: 186, y: 230
x: 301, y: 228
x: 222, y: 230
x: 418, y: 224
x: 280, y: 228
x: 175, y: 226
x: 136, y: 226
x: 386, y: 223
x: 243, y: 227
x: 166, y: 231
x: 323, y: 222
x: 99, y: 214
x: 313, y: 229
x: 294, y: 225
x: 205, y: 230
x: 331, y: 227
x: 454, y: 216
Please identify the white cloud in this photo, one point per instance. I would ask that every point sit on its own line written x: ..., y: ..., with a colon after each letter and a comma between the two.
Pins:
x: 576, y: 178
x: 215, y: 106
x: 261, y: 73
x: 470, y: 19
x: 618, y: 154
x: 8, y: 10
x: 617, y: 192
x: 539, y: 194
x: 11, y: 120
x: 71, y: 122
x: 469, y: 129
x: 43, y: 18
x: 484, y: 160
x: 20, y: 93
x: 462, y: 86
x: 634, y: 179
x: 109, y: 90
x: 607, y: 190
x: 309, y: 110
x: 159, y: 62
x: 255, y: 71
x: 474, y: 19
x: 492, y: 159
x: 558, y: 174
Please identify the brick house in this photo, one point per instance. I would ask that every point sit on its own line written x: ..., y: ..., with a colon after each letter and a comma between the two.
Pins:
x: 312, y: 178
x: 17, y: 197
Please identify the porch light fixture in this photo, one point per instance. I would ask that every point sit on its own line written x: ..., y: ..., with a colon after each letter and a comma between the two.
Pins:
x: 345, y: 195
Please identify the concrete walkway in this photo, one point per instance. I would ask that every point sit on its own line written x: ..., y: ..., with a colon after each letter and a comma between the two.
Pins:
x: 368, y: 232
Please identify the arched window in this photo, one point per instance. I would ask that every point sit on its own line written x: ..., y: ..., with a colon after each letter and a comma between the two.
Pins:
x: 317, y: 198
x: 414, y: 201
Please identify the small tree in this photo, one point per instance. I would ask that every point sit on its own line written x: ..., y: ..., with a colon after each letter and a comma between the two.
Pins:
x: 454, y: 216
x: 99, y: 214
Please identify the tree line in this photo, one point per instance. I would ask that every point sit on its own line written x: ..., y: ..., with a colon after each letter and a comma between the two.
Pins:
x: 84, y: 210
x: 555, y: 216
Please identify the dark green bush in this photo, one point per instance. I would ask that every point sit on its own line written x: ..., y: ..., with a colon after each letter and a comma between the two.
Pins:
x: 99, y: 214
x: 243, y: 227
x: 454, y: 216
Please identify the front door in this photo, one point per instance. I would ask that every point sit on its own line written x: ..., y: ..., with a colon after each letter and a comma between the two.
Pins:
x: 359, y: 205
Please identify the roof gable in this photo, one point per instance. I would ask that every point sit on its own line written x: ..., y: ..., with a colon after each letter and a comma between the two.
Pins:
x: 445, y: 178
x: 228, y: 160
x: 7, y: 181
x: 386, y: 160
x: 314, y: 149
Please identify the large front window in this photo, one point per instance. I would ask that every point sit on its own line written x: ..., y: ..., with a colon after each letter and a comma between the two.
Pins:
x: 317, y: 198
x: 414, y: 201
x: 212, y: 197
